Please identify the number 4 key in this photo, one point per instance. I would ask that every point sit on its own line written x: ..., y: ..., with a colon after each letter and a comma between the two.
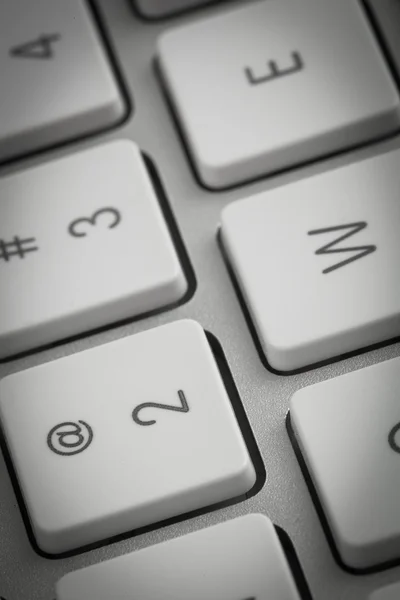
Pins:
x: 46, y: 50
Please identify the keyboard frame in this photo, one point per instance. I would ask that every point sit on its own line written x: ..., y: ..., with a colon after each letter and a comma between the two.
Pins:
x: 215, y: 304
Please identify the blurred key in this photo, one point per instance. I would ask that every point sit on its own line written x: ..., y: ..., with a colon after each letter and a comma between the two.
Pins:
x: 389, y: 592
x: 163, y: 8
x: 56, y: 80
x: 238, y: 560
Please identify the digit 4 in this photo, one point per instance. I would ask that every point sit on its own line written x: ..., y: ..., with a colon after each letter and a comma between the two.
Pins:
x: 41, y: 48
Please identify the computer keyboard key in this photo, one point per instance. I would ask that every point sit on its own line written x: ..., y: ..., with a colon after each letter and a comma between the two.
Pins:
x: 122, y: 436
x: 276, y: 83
x: 240, y: 559
x: 386, y: 16
x: 389, y: 592
x: 348, y: 431
x: 163, y: 8
x: 83, y: 243
x: 317, y: 262
x: 57, y: 82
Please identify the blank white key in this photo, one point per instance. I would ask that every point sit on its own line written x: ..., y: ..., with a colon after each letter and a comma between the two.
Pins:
x: 162, y: 8
x: 123, y: 436
x: 390, y: 592
x: 277, y: 83
x: 241, y: 560
x: 317, y: 262
x: 56, y: 80
x: 83, y: 243
x: 348, y: 430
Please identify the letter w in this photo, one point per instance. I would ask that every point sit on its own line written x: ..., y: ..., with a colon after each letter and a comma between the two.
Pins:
x: 359, y: 251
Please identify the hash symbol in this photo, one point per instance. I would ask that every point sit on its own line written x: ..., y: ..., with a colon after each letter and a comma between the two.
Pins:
x: 17, y: 247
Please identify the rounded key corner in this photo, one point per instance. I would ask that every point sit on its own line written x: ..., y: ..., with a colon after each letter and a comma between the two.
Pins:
x: 148, y: 15
x: 247, y: 475
x: 279, y: 362
x: 196, y: 329
x: 43, y: 540
x: 123, y: 145
x: 61, y: 587
x: 389, y: 592
x: 189, y: 324
x: 7, y: 380
x: 4, y: 380
x: 124, y: 142
x: 290, y: 423
x: 45, y: 547
x: 230, y: 210
x: 118, y: 111
x: 359, y: 556
x: 349, y: 552
x: 279, y: 358
x: 195, y: 325
x: 154, y: 15
x: 211, y: 173
x: 284, y: 353
x: 162, y: 46
x: 180, y: 282
x: 293, y: 400
x: 260, y: 520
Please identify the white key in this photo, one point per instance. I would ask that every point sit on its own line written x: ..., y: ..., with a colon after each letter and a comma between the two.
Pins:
x: 277, y: 83
x: 126, y: 463
x: 348, y: 430
x: 238, y: 560
x: 313, y: 296
x: 57, y: 83
x: 390, y: 592
x: 162, y: 8
x: 83, y: 243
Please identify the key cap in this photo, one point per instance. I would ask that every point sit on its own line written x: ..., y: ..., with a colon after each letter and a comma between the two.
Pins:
x: 163, y: 8
x: 317, y: 260
x: 274, y: 84
x: 348, y: 430
x: 57, y: 83
x: 83, y: 243
x: 240, y: 559
x: 390, y: 592
x: 123, y: 436
x: 386, y: 14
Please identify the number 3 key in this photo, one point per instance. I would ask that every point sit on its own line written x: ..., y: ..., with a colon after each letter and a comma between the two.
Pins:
x: 76, y: 262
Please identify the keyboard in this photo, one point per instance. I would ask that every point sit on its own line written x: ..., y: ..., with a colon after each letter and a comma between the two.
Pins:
x: 199, y: 300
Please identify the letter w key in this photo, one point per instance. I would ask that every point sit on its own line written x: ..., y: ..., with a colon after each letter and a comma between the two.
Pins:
x: 357, y: 251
